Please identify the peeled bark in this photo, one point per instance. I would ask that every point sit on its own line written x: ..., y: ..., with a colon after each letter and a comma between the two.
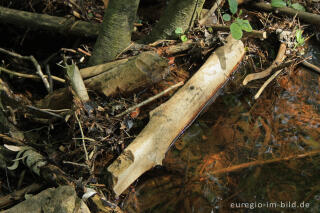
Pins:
x: 170, y: 119
x: 115, y: 32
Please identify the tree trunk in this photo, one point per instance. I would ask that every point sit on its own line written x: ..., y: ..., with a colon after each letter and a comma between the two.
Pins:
x: 115, y: 32
x: 177, y: 14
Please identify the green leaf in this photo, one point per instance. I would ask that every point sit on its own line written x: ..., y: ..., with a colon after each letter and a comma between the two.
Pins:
x: 245, y: 25
x: 210, y: 30
x: 298, y: 6
x: 178, y: 31
x: 226, y: 17
x: 236, y: 31
x: 183, y: 38
x: 299, y: 38
x: 233, y: 5
x: 278, y: 3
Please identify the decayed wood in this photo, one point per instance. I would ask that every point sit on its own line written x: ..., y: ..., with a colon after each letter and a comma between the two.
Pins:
x: 77, y: 82
x: 180, y: 47
x: 98, y: 69
x: 169, y: 120
x: 124, y: 75
x: 45, y: 22
x: 139, y: 71
x: 305, y: 16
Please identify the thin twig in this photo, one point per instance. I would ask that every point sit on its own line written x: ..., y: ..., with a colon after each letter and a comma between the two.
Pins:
x: 40, y: 73
x: 262, y: 162
x: 49, y: 77
x: 45, y: 111
x: 125, y: 49
x: 35, y: 63
x: 76, y: 164
x: 83, y: 141
x: 12, y: 140
x: 311, y: 66
x: 265, y: 73
x: 150, y: 99
x: 22, y: 75
x: 266, y: 83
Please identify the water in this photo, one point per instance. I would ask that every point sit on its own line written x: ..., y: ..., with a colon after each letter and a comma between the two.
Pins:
x: 255, y: 135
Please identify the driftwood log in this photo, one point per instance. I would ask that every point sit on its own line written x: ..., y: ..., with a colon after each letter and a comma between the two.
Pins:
x: 169, y: 120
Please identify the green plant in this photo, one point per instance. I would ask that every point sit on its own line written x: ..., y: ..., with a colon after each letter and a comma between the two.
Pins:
x: 238, y: 25
x: 282, y: 3
x: 179, y: 32
x: 299, y: 39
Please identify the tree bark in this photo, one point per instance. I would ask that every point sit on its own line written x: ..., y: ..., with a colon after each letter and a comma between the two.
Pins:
x: 177, y: 14
x: 115, y: 32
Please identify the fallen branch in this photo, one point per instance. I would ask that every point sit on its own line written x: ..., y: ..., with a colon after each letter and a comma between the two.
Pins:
x: 311, y: 66
x: 98, y: 69
x: 23, y: 75
x: 253, y: 33
x: 19, y: 195
x: 169, y: 120
x: 180, y: 47
x: 275, y: 63
x: 305, y: 16
x: 266, y: 83
x: 12, y: 140
x: 35, y: 63
x: 210, y: 13
x: 45, y: 22
x: 124, y: 76
x: 83, y: 142
x: 139, y: 71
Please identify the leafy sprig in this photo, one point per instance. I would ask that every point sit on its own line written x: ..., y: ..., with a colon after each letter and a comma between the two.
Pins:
x: 238, y: 25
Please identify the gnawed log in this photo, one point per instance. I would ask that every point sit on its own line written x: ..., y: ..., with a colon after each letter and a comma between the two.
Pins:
x: 111, y: 78
x: 142, y: 70
x: 98, y: 69
x: 169, y: 120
